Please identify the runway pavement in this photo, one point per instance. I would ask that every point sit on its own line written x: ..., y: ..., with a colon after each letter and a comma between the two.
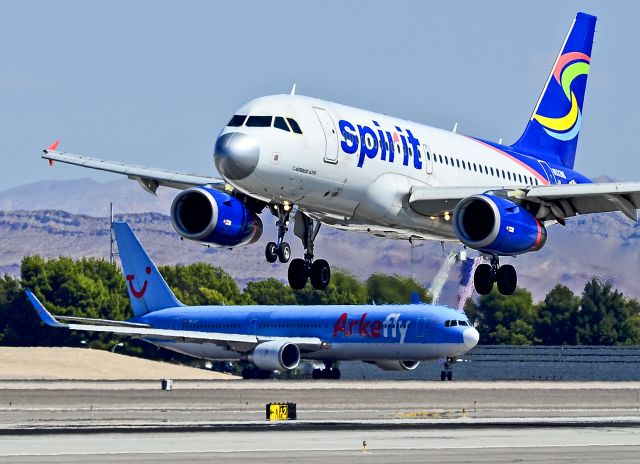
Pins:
x: 583, y: 445
x: 225, y: 420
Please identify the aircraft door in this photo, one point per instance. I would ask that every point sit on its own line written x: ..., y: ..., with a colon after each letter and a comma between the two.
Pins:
x: 330, y: 135
x: 253, y: 326
x: 428, y: 159
x: 421, y: 327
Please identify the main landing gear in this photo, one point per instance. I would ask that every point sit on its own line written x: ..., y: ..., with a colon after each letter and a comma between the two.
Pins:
x: 300, y: 270
x: 488, y: 274
x: 328, y: 373
x: 252, y: 372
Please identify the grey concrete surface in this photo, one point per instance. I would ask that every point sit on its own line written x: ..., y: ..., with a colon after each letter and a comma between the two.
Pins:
x: 620, y: 445
x: 109, y: 404
x: 402, y: 421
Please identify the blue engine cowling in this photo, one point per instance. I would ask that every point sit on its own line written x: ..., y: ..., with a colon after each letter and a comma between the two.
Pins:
x: 208, y: 215
x: 495, y: 225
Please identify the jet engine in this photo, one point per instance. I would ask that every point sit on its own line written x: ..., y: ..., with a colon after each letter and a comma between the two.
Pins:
x: 496, y: 225
x: 208, y: 215
x: 274, y: 355
x: 386, y: 365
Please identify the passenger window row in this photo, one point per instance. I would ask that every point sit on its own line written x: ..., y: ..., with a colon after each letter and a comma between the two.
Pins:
x: 294, y: 325
x: 456, y: 323
x: 198, y: 325
x: 279, y: 122
x: 374, y: 143
x: 482, y: 169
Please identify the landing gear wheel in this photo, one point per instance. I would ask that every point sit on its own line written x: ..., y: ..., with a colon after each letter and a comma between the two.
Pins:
x: 271, y: 252
x: 483, y: 279
x: 284, y: 252
x: 320, y: 274
x: 507, y: 279
x: 297, y: 274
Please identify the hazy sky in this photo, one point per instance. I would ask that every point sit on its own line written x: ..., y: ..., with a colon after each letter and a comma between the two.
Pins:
x: 153, y: 82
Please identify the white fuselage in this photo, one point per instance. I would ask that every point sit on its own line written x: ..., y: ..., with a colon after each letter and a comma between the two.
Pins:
x: 367, y: 189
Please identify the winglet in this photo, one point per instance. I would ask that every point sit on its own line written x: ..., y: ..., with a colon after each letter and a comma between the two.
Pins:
x: 45, y: 316
x: 415, y: 298
x: 52, y: 147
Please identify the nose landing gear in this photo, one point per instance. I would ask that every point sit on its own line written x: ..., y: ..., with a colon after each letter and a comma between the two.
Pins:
x: 488, y: 274
x: 447, y: 372
x: 279, y: 250
x: 301, y: 270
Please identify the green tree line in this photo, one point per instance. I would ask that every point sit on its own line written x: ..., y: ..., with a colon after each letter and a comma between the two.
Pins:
x: 600, y: 316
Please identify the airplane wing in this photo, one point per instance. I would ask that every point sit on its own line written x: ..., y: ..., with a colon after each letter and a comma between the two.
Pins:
x: 236, y: 342
x: 563, y: 200
x: 149, y: 178
x: 591, y: 198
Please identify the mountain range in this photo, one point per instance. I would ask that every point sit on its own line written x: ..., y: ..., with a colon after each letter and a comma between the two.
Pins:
x: 70, y: 218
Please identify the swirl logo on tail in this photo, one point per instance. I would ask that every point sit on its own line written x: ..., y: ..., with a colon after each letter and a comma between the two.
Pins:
x: 569, y: 66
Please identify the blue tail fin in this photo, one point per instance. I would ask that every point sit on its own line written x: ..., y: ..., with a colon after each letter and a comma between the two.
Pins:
x: 552, y: 132
x: 147, y: 289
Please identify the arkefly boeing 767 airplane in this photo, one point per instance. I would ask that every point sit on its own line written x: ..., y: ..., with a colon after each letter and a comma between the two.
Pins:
x: 368, y: 172
x: 395, y: 337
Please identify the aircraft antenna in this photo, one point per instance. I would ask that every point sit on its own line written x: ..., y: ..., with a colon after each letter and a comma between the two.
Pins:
x: 293, y: 89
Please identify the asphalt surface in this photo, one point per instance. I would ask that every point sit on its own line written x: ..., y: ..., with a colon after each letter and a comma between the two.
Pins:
x: 466, y: 446
x: 405, y: 421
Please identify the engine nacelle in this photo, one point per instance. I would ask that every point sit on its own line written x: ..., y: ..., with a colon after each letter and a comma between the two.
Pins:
x: 207, y: 215
x: 274, y: 355
x: 386, y: 365
x: 494, y: 224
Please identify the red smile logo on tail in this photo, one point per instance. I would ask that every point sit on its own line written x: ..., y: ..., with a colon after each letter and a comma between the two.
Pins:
x: 138, y: 293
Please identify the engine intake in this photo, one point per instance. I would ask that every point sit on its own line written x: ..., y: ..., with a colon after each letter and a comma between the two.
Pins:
x: 496, y: 225
x: 275, y: 355
x: 207, y: 215
x: 386, y: 365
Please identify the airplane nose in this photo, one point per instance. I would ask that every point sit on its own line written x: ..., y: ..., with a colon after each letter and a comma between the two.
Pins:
x: 236, y: 155
x: 470, y: 337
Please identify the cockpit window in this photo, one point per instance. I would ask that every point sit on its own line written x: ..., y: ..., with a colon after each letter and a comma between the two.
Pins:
x: 237, y: 120
x: 259, y: 121
x: 294, y: 126
x: 457, y: 323
x: 280, y: 123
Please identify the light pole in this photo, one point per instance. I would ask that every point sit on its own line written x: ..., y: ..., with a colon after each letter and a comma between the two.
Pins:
x: 113, y: 348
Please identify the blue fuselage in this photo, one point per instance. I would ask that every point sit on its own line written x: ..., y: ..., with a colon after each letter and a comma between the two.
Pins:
x: 403, y: 332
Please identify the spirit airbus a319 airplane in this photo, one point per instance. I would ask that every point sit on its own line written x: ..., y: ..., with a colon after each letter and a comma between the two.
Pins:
x: 368, y: 172
x: 394, y: 337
